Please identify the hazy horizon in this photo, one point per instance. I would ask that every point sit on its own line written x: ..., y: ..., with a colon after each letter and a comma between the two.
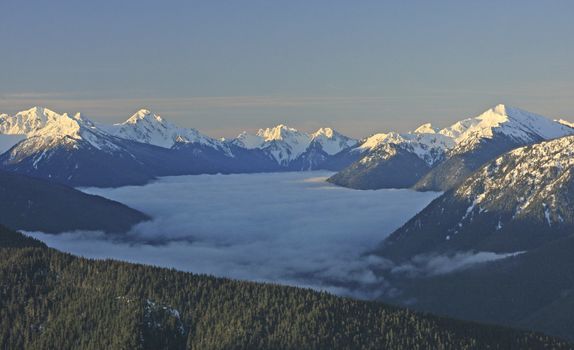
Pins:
x: 225, y: 67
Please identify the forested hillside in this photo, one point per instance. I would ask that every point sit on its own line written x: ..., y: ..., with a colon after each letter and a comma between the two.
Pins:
x: 32, y: 204
x: 52, y: 300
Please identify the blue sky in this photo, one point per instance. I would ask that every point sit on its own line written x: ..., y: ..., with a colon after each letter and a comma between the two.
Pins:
x: 224, y: 66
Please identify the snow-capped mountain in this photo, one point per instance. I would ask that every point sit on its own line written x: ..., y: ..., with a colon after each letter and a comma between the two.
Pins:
x: 480, y: 139
x: 75, y: 151
x: 516, y: 202
x: 293, y: 149
x: 146, y: 127
x: 515, y: 124
x: 332, y: 142
x: 45, y: 129
x: 451, y: 154
x: 429, y: 147
x: 393, y: 159
x: 283, y: 143
x: 27, y: 122
x: 69, y: 149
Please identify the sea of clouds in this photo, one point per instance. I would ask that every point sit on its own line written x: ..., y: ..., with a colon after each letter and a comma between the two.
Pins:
x: 289, y: 228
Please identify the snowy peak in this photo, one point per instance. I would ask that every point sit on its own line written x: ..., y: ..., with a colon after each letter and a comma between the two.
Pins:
x: 43, y: 129
x: 43, y: 122
x: 521, y: 126
x: 331, y: 141
x: 426, y: 129
x: 147, y: 127
x: 429, y: 147
x: 28, y: 121
x: 285, y: 144
x: 325, y: 132
x: 248, y: 141
x: 143, y: 115
x: 282, y: 133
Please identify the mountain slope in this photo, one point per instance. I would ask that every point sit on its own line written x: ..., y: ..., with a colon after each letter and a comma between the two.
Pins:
x: 450, y: 154
x: 519, y: 205
x: 281, y: 143
x: 152, y: 129
x: 517, y: 202
x: 76, y: 152
x: 70, y: 150
x: 330, y: 141
x: 393, y: 160
x: 323, y: 151
x: 295, y: 150
x: 36, y: 205
x: 480, y: 139
x: 533, y: 290
x: 72, y: 302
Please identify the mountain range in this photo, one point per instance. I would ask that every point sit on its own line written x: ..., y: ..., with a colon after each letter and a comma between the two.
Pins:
x: 72, y: 150
x: 430, y: 159
x: 507, y: 177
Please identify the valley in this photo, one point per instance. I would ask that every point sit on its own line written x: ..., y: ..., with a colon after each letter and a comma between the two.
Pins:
x: 290, y: 228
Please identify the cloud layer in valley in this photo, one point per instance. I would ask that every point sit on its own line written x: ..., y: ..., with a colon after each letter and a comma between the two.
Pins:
x: 291, y: 228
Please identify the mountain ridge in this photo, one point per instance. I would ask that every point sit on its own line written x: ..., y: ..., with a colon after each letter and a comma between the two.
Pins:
x: 465, y: 146
x: 73, y: 150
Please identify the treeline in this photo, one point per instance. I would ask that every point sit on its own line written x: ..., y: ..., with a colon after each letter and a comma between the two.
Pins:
x: 52, y: 300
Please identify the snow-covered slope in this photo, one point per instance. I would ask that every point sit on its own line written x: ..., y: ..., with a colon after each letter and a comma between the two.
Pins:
x: 391, y: 160
x: 427, y: 158
x: 430, y: 147
x: 283, y: 143
x: 565, y: 122
x: 44, y: 129
x: 516, y: 202
x: 146, y: 127
x: 70, y: 150
x: 75, y: 151
x: 287, y: 145
x: 480, y: 139
x: 248, y: 141
x: 450, y: 154
x: 331, y: 141
x: 519, y: 126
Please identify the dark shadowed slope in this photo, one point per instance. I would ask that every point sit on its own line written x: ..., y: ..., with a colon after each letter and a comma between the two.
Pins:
x: 37, y: 205
x: 533, y: 290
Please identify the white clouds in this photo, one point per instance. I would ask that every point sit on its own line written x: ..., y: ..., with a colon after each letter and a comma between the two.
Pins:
x: 434, y: 264
x: 290, y: 228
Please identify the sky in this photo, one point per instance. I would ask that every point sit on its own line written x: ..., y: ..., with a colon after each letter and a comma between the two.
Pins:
x: 289, y: 228
x: 226, y: 66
